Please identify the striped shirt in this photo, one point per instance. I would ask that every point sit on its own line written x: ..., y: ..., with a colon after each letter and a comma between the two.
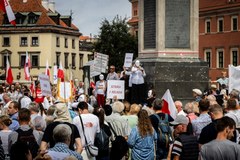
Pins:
x: 177, y: 148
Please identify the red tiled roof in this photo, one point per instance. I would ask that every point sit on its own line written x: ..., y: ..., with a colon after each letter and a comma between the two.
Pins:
x: 133, y: 20
x: 84, y: 38
x: 34, y: 6
x: 44, y: 19
x: 29, y: 6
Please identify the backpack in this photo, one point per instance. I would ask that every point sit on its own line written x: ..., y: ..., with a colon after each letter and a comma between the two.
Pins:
x: 119, y: 146
x: 164, y: 136
x: 28, y: 137
x: 102, y: 141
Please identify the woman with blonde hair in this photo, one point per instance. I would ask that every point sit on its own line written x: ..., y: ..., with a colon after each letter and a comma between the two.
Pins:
x: 143, y: 138
x: 5, y: 122
x: 132, y: 117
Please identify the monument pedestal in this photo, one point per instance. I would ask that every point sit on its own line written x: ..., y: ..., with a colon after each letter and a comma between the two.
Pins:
x: 180, y: 76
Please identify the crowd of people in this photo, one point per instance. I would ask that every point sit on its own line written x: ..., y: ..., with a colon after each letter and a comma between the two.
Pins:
x: 33, y: 126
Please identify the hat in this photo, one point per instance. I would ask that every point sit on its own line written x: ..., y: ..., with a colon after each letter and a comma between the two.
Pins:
x: 180, y: 119
x: 62, y: 113
x: 214, y: 86
x: 197, y: 91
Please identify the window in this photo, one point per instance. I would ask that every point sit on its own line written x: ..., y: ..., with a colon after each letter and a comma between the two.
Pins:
x: 220, y: 59
x: 22, y: 60
x: 135, y: 13
x: 234, y: 57
x: 66, y: 60
x: 80, y: 61
x: 73, y: 60
x: 34, y: 41
x: 4, y: 60
x: 208, y: 57
x: 207, y: 26
x: 220, y: 24
x: 73, y: 43
x: 32, y: 19
x: 58, y: 54
x: 234, y: 23
x: 66, y: 42
x: 90, y: 57
x: 6, y: 41
x: 23, y: 41
x: 57, y: 42
x: 35, y: 60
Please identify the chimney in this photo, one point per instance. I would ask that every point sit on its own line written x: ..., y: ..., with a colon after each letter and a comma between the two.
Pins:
x: 24, y: 1
x: 45, y: 4
x: 51, y: 6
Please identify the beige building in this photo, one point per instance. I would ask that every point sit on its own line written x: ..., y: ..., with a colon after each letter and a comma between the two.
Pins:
x: 45, y: 35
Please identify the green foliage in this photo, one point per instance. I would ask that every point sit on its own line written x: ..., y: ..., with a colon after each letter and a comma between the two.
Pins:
x: 115, y: 40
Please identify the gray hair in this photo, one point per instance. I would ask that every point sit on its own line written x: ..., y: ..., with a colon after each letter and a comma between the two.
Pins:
x: 62, y: 133
x: 39, y: 123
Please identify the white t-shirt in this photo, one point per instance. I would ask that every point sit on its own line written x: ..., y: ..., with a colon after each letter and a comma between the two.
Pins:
x: 91, y: 127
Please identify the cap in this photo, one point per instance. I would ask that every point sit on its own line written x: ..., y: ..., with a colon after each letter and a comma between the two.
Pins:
x: 197, y: 91
x: 214, y: 86
x: 180, y: 119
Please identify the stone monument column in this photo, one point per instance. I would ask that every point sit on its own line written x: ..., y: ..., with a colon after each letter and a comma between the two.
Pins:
x: 168, y: 47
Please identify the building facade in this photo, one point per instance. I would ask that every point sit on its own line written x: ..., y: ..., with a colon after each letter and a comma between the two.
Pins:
x: 219, y: 33
x: 45, y: 34
x: 133, y: 22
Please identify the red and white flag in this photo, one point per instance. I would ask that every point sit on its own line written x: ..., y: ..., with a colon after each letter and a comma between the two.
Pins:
x: 9, y: 75
x: 27, y: 67
x: 60, y: 73
x: 6, y: 8
x: 168, y: 104
x: 47, y: 71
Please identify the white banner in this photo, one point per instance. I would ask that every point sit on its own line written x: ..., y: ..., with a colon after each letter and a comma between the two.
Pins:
x: 64, y: 91
x: 55, y: 70
x: 128, y: 60
x: 45, y: 85
x: 100, y: 62
x: 234, y: 78
x: 115, y: 88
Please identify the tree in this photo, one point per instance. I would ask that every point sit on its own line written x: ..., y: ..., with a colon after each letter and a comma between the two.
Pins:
x: 115, y: 40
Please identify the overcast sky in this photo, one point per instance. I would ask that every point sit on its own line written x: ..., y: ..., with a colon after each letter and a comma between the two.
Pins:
x: 88, y: 14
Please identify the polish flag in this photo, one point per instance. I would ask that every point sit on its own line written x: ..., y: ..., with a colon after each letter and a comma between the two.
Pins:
x: 6, y: 8
x: 60, y: 73
x: 27, y: 67
x: 168, y: 104
x: 9, y: 75
x: 47, y: 71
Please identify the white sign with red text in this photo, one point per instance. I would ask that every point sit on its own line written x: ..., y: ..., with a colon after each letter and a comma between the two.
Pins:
x: 115, y: 88
x: 45, y: 84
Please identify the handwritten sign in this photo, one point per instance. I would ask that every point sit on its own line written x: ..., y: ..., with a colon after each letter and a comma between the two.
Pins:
x: 128, y: 60
x: 115, y: 88
x: 45, y: 85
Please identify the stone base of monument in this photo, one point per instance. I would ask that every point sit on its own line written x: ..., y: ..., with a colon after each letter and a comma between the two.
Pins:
x: 179, y: 75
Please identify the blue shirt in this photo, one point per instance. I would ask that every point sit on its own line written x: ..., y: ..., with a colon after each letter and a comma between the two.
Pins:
x: 62, y: 147
x: 200, y: 122
x: 142, y: 148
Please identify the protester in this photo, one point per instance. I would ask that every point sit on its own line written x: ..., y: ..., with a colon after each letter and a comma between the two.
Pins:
x: 179, y: 106
x: 5, y: 122
x: 12, y: 111
x: 185, y: 145
x: 222, y: 147
x: 203, y: 119
x: 101, y: 87
x: 138, y: 86
x: 62, y: 137
x: 87, y: 125
x: 112, y: 75
x: 132, y: 117
x: 197, y: 93
x: 142, y: 139
x: 62, y: 117
x: 223, y: 80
